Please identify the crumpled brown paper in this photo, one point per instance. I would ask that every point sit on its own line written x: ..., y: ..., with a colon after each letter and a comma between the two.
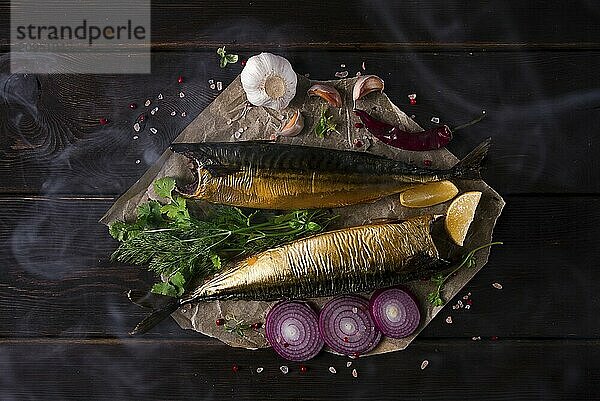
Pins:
x: 230, y: 118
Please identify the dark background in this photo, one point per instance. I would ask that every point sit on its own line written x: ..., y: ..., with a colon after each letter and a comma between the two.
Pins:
x: 532, y: 65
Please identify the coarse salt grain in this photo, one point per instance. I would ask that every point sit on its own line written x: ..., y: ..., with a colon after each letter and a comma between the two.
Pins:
x: 348, y: 364
x: 136, y: 127
x: 181, y: 94
x: 363, y: 66
x: 173, y: 113
x: 342, y: 65
x: 354, y: 310
x: 138, y: 161
x: 354, y: 373
x: 147, y: 103
x: 497, y: 286
x: 153, y: 130
x: 160, y: 96
x: 467, y: 306
x: 476, y: 338
x: 219, y: 85
x: 212, y: 86
x: 358, y: 73
x: 211, y: 81
x: 332, y: 370
x: 135, y: 137
x: 284, y: 369
x: 259, y: 370
x: 183, y: 114
x: 449, y: 320
x: 435, y: 120
x: 341, y: 74
x: 154, y: 110
x: 424, y: 364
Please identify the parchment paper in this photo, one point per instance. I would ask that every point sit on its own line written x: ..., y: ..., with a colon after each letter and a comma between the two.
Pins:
x: 229, y: 118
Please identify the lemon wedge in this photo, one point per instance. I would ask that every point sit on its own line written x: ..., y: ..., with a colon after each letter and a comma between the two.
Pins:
x: 460, y: 215
x: 429, y: 194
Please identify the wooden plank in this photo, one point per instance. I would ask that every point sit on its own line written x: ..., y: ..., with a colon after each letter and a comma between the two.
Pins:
x: 58, y: 281
x: 159, y: 370
x: 368, y: 25
x: 542, y: 111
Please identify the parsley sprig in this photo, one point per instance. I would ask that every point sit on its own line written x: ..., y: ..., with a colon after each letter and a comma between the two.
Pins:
x: 226, y: 58
x: 183, y: 249
x: 435, y: 297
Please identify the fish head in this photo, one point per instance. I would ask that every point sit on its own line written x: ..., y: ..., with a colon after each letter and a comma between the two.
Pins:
x: 199, y: 175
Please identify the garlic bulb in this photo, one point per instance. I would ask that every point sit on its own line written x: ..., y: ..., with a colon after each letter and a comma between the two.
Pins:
x: 269, y: 81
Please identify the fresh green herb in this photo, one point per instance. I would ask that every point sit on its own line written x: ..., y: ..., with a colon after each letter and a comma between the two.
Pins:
x: 435, y: 297
x: 236, y: 326
x: 325, y: 124
x: 226, y: 58
x: 182, y: 248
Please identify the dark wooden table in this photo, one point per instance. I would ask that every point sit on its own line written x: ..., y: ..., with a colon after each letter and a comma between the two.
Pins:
x: 532, y: 65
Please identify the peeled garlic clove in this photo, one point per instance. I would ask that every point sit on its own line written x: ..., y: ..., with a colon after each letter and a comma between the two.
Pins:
x: 329, y: 93
x: 294, y: 125
x: 366, y: 84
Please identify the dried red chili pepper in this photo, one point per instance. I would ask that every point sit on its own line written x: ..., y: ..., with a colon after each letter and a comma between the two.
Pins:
x: 431, y: 139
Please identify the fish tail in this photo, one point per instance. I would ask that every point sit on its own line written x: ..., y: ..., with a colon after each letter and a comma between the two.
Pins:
x: 470, y: 166
x: 157, y: 316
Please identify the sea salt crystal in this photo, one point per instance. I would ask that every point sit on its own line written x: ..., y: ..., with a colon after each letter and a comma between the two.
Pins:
x: 435, y: 120
x: 354, y: 310
x: 342, y: 65
x: 341, y: 74
x: 160, y: 96
x: 147, y: 103
x: 183, y: 114
x: 211, y: 81
x: 135, y: 137
x: 332, y: 370
x: 259, y: 370
x: 154, y: 110
x: 173, y: 113
x: 459, y: 304
x: 153, y: 130
x: 284, y: 369
x: 354, y: 373
x: 449, y: 320
x: 307, y: 75
x: 358, y: 73
x: 466, y: 297
x: 467, y: 306
x: 212, y: 86
x: 497, y: 286
x: 138, y: 161
x: 348, y: 364
x: 181, y: 94
x: 136, y: 127
x: 476, y: 338
x: 219, y: 85
x: 363, y: 66
x: 412, y: 96
x: 424, y: 364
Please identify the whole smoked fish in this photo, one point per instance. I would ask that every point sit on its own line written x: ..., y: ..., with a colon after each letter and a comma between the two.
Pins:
x: 343, y: 261
x: 264, y: 175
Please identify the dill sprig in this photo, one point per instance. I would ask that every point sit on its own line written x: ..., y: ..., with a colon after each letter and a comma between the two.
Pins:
x: 183, y: 249
x: 435, y: 297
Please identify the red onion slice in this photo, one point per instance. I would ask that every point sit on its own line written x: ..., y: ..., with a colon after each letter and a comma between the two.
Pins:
x: 292, y: 330
x: 395, y: 312
x: 347, y: 327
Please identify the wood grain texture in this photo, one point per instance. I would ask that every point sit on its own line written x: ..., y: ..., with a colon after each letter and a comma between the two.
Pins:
x: 371, y: 25
x: 543, y: 112
x: 58, y: 280
x: 159, y: 370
